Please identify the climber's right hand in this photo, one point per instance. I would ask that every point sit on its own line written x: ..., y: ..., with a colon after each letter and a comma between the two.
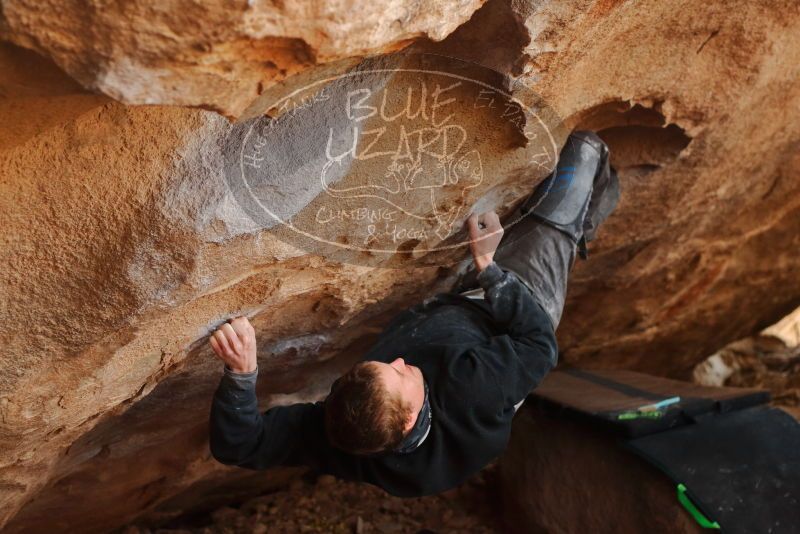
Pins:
x: 235, y: 344
x: 485, y: 233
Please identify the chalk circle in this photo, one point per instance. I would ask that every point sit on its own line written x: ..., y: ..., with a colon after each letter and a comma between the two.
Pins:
x: 380, y: 162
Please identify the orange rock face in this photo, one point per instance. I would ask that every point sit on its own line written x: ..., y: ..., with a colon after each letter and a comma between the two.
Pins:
x: 124, y: 245
x: 216, y: 55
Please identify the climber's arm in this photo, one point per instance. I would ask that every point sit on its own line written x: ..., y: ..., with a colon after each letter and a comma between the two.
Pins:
x: 241, y: 435
x: 526, y: 349
x: 517, y: 360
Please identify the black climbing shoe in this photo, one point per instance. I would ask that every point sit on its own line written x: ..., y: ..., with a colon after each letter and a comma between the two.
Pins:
x: 575, y: 199
x: 605, y: 194
x: 581, y: 192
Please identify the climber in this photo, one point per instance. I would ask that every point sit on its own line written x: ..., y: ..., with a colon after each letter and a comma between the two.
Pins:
x: 433, y: 399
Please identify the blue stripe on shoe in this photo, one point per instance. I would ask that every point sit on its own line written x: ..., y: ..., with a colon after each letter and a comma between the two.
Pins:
x: 562, y: 180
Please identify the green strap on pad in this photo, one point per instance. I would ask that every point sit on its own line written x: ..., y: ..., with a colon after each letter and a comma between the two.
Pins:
x: 698, y: 516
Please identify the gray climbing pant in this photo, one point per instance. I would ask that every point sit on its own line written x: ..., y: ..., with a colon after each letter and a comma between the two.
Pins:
x: 550, y: 256
x: 548, y: 230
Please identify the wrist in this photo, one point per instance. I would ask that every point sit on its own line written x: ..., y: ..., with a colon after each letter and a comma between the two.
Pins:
x: 483, y: 262
x: 492, y: 275
x: 241, y: 370
x: 239, y: 382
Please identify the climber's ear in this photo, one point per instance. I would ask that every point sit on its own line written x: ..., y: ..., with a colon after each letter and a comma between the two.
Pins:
x: 411, y: 420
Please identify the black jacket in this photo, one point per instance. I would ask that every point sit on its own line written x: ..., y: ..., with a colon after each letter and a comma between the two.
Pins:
x: 479, y: 358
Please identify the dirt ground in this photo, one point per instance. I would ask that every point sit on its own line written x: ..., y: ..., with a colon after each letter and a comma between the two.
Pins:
x: 327, y: 505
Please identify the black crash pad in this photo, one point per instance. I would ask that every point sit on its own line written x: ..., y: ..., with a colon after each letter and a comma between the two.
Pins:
x: 735, y: 463
x: 612, y: 398
x: 741, y: 469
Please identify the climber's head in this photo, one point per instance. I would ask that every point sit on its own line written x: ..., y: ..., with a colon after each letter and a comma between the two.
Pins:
x: 373, y: 406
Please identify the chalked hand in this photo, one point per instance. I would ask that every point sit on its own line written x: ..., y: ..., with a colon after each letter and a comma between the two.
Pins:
x: 485, y: 233
x: 235, y: 344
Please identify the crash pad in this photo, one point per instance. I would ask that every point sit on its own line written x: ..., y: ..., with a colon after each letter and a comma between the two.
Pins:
x: 734, y: 461
x: 613, y: 398
x: 741, y: 469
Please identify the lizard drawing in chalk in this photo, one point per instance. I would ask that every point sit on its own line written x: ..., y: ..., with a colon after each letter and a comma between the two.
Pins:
x: 428, y: 167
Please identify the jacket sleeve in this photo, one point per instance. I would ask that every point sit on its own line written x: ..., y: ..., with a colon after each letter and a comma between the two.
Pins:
x: 522, y: 355
x: 240, y: 435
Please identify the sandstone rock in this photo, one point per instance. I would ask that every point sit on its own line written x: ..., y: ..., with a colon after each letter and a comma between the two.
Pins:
x: 769, y: 360
x: 123, y: 247
x: 561, y: 476
x: 787, y: 330
x: 216, y: 55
